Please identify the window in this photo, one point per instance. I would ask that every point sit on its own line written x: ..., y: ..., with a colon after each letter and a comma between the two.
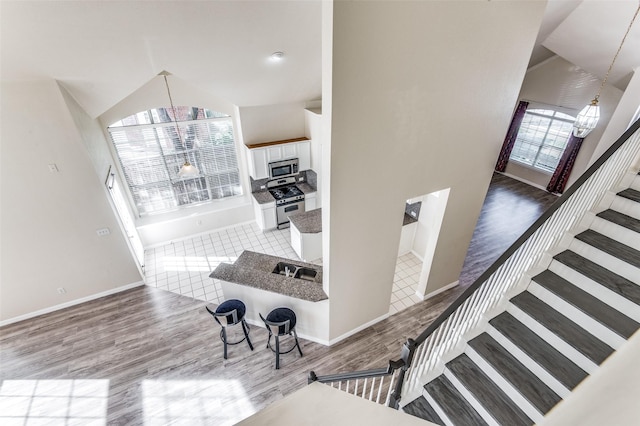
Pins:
x: 151, y: 154
x: 542, y: 138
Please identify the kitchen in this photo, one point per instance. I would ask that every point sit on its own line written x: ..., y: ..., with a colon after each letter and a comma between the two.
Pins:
x: 283, y: 188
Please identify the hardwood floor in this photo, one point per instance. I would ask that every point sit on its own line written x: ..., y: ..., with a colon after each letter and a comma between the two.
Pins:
x: 161, y: 355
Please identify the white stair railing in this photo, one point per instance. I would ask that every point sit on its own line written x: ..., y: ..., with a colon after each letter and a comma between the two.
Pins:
x: 494, y: 285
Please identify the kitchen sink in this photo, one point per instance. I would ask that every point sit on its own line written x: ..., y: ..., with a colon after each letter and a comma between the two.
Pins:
x: 306, y: 274
x: 282, y: 268
x: 295, y: 271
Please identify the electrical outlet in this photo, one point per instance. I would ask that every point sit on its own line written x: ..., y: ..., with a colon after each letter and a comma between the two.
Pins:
x: 53, y: 168
x: 62, y: 290
x: 414, y: 214
x: 262, y: 187
x: 300, y: 179
x: 102, y: 232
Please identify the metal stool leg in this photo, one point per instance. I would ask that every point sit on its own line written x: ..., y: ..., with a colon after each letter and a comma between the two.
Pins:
x: 295, y: 335
x: 277, y: 352
x: 224, y: 341
x: 245, y: 328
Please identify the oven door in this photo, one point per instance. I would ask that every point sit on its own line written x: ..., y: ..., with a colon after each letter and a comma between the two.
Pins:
x: 285, y: 210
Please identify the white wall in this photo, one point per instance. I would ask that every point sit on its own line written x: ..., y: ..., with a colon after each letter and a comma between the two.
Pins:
x: 559, y: 82
x: 313, y: 130
x: 627, y: 110
x: 269, y: 123
x: 422, y: 94
x: 49, y: 220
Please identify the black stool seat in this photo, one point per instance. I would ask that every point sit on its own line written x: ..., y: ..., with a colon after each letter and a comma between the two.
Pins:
x: 229, y: 313
x: 281, y: 322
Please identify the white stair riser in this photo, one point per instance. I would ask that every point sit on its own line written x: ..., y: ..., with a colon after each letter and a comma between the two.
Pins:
x: 587, y: 322
x: 614, y: 231
x: 605, y: 260
x: 533, y: 366
x: 552, y: 339
x: 635, y: 184
x: 506, y: 387
x: 626, y: 206
x: 607, y: 296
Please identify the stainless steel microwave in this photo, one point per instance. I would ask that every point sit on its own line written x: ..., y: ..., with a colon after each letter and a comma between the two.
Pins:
x: 279, y: 169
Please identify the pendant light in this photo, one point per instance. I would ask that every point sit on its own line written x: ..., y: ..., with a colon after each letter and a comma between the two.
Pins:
x: 587, y: 119
x: 187, y: 170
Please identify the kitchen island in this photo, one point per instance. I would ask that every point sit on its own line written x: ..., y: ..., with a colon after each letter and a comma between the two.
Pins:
x: 306, y: 234
x: 251, y: 278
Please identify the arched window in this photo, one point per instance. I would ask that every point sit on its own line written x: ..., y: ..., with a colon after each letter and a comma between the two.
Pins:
x: 151, y: 154
x: 542, y: 138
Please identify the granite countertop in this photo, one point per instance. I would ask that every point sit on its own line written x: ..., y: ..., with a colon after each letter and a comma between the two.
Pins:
x: 408, y: 219
x: 308, y: 222
x: 305, y: 187
x: 255, y: 270
x: 263, y: 197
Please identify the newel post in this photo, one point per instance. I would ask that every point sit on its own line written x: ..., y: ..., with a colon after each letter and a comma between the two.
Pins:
x: 408, y: 350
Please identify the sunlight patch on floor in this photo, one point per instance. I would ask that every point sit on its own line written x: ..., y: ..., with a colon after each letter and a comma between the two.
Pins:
x: 54, y: 402
x: 194, y: 402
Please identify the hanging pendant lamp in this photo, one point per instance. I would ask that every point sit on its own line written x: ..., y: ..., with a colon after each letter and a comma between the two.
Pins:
x: 587, y: 119
x: 187, y: 170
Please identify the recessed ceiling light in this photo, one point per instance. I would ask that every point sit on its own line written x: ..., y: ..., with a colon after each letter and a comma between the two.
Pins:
x: 276, y: 56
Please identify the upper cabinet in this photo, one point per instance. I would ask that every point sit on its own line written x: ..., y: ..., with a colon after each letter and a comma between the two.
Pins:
x: 260, y: 155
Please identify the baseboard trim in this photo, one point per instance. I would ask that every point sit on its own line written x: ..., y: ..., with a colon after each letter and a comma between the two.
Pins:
x: 357, y: 329
x: 199, y: 234
x: 70, y: 303
x: 535, y: 185
x: 300, y: 335
x: 440, y: 290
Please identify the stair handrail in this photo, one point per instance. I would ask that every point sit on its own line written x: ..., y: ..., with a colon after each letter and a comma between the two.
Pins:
x: 413, y: 344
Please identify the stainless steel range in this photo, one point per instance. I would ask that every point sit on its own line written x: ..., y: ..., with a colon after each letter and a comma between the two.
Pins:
x: 289, y: 199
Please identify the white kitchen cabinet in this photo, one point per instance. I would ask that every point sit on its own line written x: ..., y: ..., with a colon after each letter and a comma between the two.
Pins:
x: 310, y: 201
x: 308, y: 247
x: 303, y: 153
x: 258, y: 158
x: 265, y: 215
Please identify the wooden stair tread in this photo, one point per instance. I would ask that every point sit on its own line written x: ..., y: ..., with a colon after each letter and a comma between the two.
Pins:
x: 498, y: 404
x: 513, y: 371
x: 621, y: 219
x: 610, y: 246
x: 586, y: 343
x: 590, y: 305
x: 601, y: 275
x: 452, y: 403
x: 555, y: 363
x: 630, y: 194
x: 421, y: 408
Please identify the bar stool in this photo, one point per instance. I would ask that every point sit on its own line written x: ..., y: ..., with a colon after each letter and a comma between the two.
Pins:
x: 281, y: 322
x: 228, y: 313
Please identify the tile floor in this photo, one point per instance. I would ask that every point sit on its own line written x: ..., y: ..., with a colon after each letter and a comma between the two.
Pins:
x: 184, y: 266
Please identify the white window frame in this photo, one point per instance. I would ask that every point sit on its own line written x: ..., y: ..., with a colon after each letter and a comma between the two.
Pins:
x: 157, y: 189
x: 532, y: 111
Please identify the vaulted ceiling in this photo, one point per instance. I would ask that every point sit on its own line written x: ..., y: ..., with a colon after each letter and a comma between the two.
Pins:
x: 102, y: 51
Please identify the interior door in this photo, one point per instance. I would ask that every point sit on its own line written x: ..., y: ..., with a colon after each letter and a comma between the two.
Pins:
x: 126, y: 219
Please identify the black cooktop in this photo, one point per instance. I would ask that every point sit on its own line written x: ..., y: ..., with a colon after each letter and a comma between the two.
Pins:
x: 284, y: 192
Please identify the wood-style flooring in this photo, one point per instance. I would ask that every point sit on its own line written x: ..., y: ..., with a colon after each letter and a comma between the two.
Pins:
x: 161, y: 354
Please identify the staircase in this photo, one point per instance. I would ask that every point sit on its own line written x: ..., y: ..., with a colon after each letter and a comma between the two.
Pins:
x: 552, y: 335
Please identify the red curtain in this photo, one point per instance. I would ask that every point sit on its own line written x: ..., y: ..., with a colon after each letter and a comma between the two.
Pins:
x: 561, y: 174
x: 510, y: 139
